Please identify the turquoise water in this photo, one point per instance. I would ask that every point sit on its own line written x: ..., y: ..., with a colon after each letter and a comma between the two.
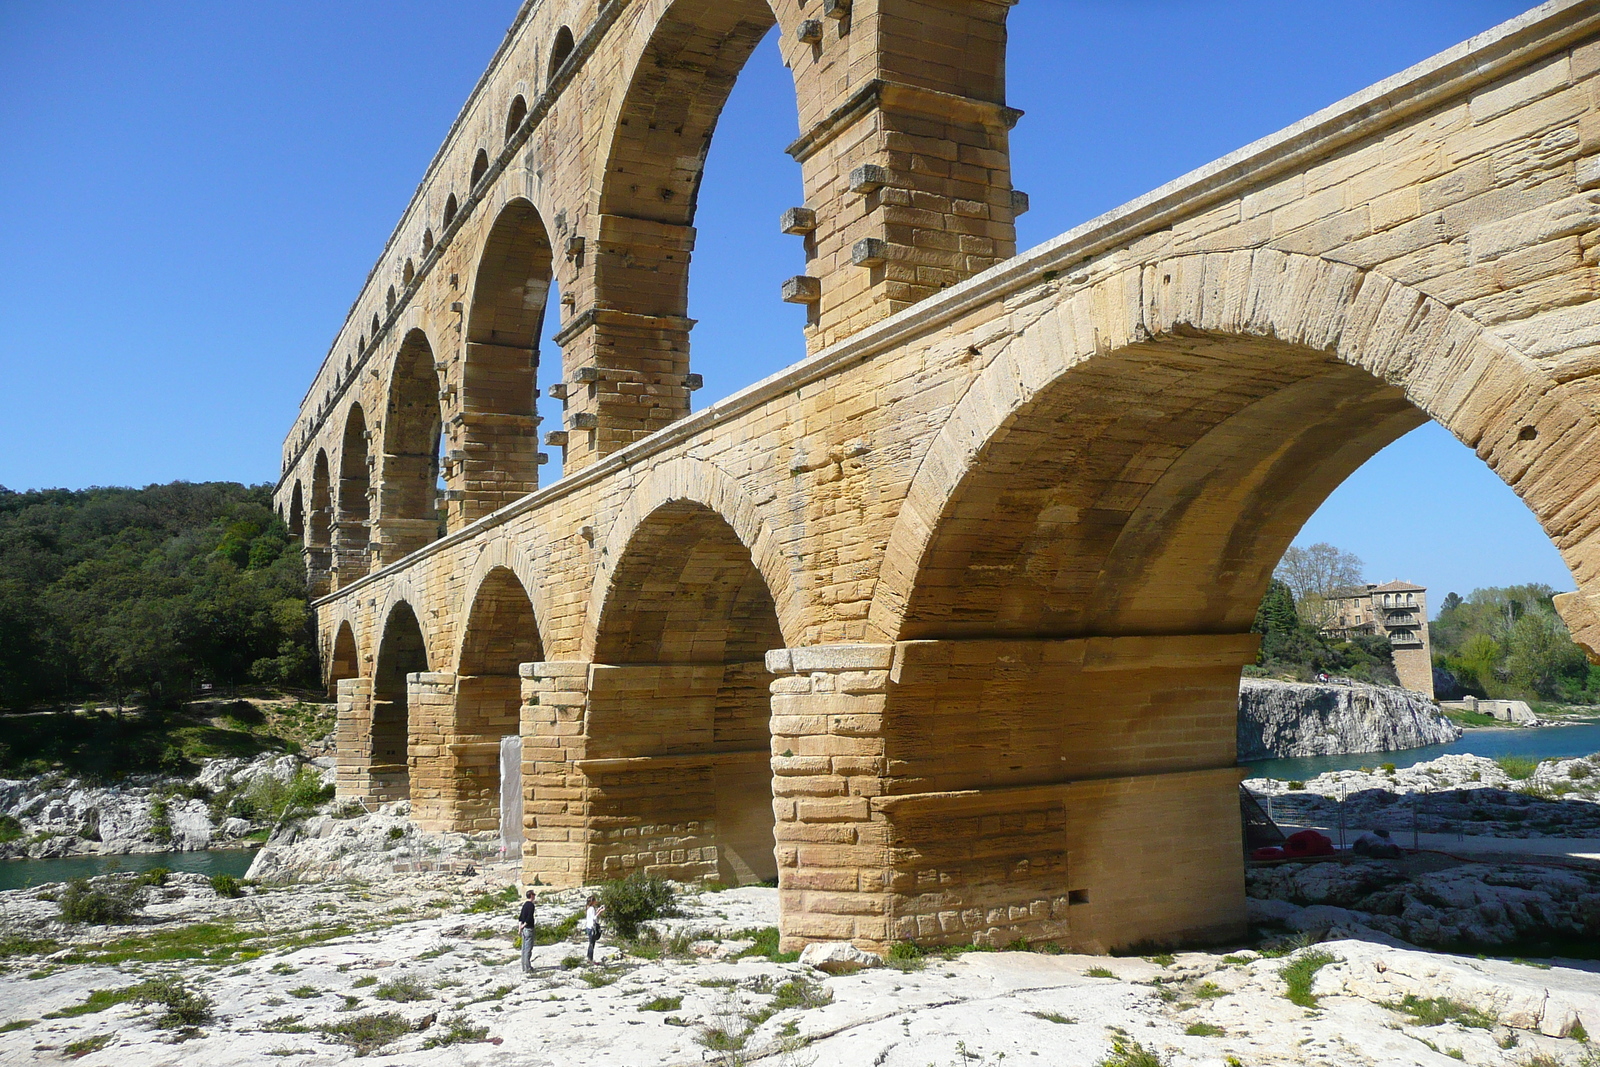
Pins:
x: 20, y: 874
x: 1546, y: 742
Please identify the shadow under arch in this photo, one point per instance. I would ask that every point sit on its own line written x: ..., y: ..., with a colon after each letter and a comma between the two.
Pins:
x: 499, y: 436
x: 407, y: 515
x: 1105, y: 507
x: 500, y: 634
x: 344, y: 660
x: 402, y: 652
x: 1202, y: 435
x: 350, y: 534
x: 679, y: 703
x: 319, y: 523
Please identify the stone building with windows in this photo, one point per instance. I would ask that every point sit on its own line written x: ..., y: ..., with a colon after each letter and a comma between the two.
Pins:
x: 1398, y: 611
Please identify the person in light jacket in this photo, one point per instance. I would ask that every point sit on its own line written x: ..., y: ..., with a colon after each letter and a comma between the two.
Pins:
x: 591, y: 922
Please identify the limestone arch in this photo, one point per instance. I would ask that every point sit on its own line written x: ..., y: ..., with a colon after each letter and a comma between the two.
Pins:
x: 353, y: 508
x: 681, y: 692
x: 510, y: 290
x: 515, y: 113
x: 297, y: 513
x: 503, y: 553
x: 344, y: 658
x: 695, y: 482
x: 1377, y: 342
x: 409, y: 445
x: 401, y: 652
x: 319, y: 527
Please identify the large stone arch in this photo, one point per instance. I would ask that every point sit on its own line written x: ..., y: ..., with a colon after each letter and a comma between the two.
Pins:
x: 500, y: 633
x: 495, y: 451
x: 695, y: 482
x: 344, y: 656
x: 352, y: 509
x: 402, y: 653
x: 1071, y: 580
x: 408, y: 453
x: 1399, y: 353
x: 503, y: 553
x: 676, y: 723
x: 319, y: 528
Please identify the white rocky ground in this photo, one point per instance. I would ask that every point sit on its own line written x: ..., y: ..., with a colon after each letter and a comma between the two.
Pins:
x: 273, y: 1002
x: 1452, y: 794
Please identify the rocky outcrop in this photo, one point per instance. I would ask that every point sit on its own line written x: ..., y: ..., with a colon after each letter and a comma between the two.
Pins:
x: 62, y: 816
x: 367, y: 847
x: 1476, y: 906
x: 1296, y: 719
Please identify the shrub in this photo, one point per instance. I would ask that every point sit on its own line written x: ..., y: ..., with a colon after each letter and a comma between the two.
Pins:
x: 106, y: 902
x: 766, y: 944
x: 226, y: 885
x: 185, y: 1008
x: 636, y: 899
x: 368, y: 1033
x: 156, y: 876
x: 10, y: 828
x: 1204, y: 1030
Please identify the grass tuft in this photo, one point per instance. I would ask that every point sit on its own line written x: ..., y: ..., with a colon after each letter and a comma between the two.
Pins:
x: 1301, y: 972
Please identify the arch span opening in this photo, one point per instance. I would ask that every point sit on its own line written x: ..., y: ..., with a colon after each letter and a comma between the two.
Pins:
x: 501, y: 635
x: 1080, y: 602
x: 345, y: 659
x: 684, y: 695
x: 511, y: 291
x: 401, y: 653
x: 319, y: 521
x: 350, y: 535
x: 408, y: 514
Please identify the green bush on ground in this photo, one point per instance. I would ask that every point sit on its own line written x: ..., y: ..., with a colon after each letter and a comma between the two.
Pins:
x: 637, y: 899
x: 104, y: 902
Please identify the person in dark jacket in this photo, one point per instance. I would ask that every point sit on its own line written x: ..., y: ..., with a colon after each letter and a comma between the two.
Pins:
x: 525, y: 924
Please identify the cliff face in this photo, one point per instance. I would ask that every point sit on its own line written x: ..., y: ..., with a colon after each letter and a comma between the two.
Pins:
x: 1293, y: 719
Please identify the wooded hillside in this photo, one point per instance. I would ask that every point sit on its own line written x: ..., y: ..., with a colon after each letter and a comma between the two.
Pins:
x: 118, y: 594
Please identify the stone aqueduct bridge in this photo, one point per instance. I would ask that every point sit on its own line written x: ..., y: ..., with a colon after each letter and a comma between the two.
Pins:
x: 943, y: 625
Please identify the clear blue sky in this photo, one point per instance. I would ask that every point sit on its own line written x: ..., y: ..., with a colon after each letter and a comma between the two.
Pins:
x: 195, y: 191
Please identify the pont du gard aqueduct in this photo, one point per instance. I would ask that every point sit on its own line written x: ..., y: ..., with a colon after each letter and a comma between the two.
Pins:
x: 942, y: 626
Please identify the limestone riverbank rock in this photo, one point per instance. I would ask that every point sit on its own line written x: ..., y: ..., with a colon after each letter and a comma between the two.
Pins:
x: 65, y: 816
x: 1278, y: 719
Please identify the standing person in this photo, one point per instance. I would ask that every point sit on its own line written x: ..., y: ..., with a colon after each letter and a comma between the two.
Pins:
x: 525, y: 924
x: 591, y: 922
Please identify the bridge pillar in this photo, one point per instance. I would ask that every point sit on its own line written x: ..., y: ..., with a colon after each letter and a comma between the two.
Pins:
x: 430, y: 730
x: 625, y: 372
x: 351, y: 557
x: 353, y: 698
x: 494, y: 439
x: 319, y: 569
x: 1077, y: 791
x: 645, y: 767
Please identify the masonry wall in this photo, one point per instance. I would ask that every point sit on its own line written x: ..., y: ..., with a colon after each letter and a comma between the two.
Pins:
x: 1423, y: 252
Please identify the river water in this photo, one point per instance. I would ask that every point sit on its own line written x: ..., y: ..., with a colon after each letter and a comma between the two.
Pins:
x: 20, y: 874
x: 1545, y: 742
